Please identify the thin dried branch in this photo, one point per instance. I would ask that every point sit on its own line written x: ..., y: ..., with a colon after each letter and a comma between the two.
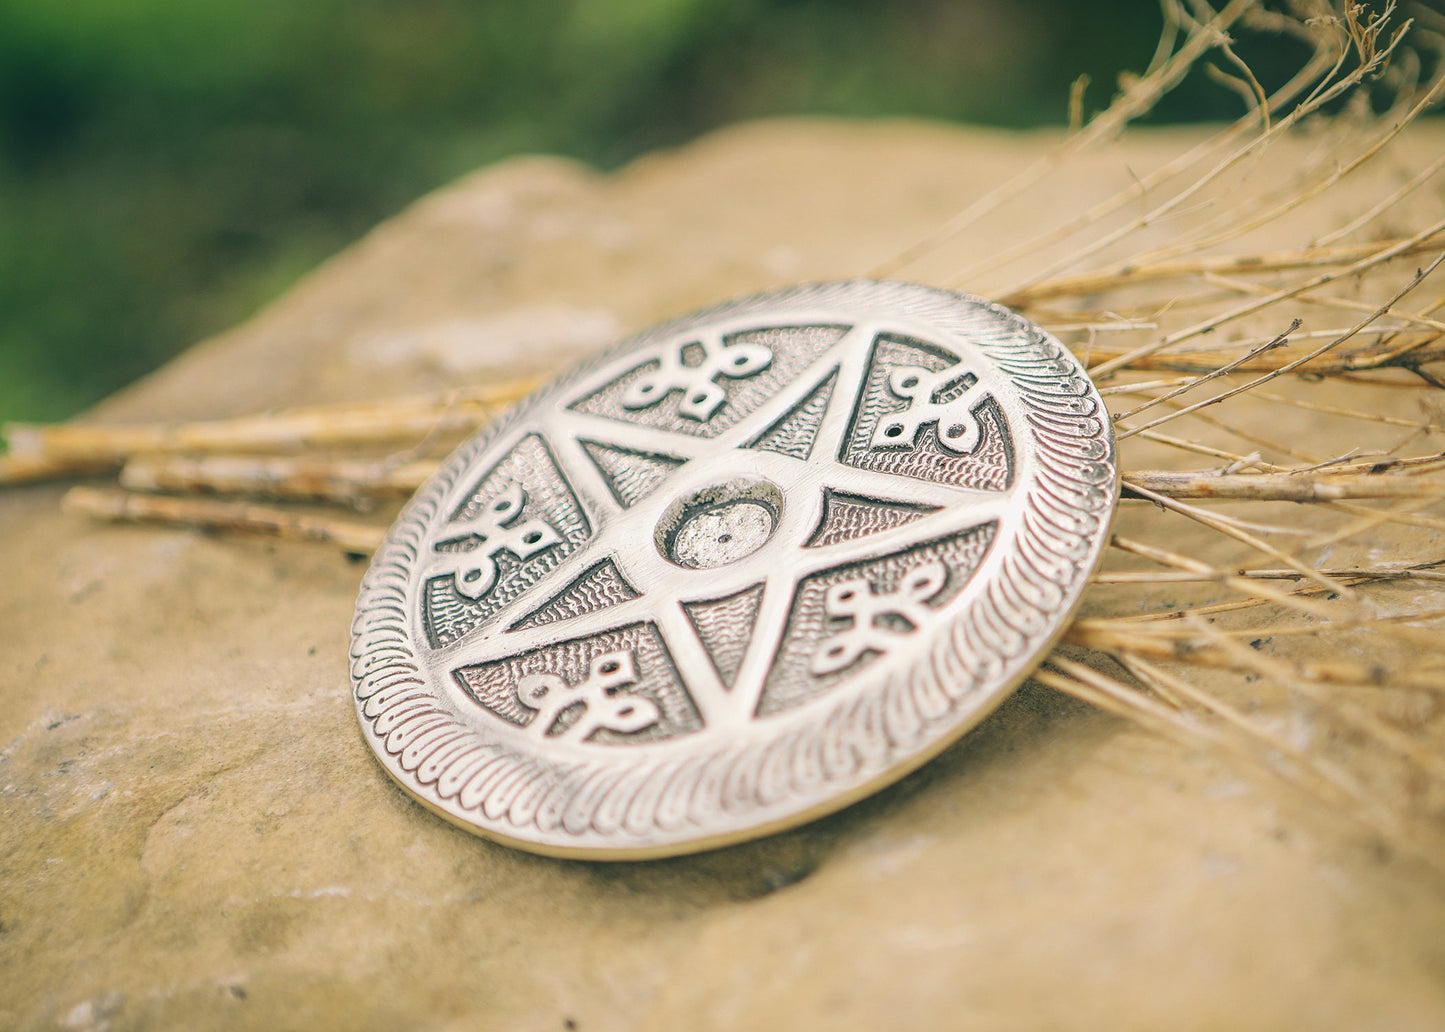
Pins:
x: 1138, y: 99
x: 1236, y: 461
x: 1384, y: 204
x: 1280, y: 487
x: 1325, y: 53
x: 1232, y: 731
x: 40, y: 452
x: 1171, y: 206
x: 1294, y: 601
x: 344, y: 481
x: 1224, y: 370
x: 1326, y: 778
x: 1088, y: 685
x: 1347, y: 304
x: 1203, y: 651
x: 1341, y: 363
x: 1293, y: 199
x: 1347, y: 574
x: 1334, y: 410
x: 1352, y: 713
x: 1230, y: 528
x: 208, y: 514
x: 1297, y: 363
x: 1258, y: 634
x: 1379, y: 257
x: 1133, y: 275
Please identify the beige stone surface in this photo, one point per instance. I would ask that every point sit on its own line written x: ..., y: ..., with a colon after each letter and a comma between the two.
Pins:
x: 194, y: 836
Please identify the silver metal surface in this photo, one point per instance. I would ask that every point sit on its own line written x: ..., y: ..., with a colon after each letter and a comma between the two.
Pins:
x: 736, y: 573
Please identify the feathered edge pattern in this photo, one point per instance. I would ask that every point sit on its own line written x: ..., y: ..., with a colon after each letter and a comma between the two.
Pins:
x: 481, y: 782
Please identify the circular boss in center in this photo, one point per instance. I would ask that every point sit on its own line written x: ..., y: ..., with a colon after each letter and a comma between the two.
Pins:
x: 719, y: 524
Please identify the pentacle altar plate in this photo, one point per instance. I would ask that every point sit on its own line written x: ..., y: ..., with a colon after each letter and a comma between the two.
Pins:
x: 736, y: 573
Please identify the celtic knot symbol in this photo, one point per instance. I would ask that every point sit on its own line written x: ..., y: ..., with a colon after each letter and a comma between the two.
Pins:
x: 608, y: 673
x: 958, y: 429
x: 701, y: 397
x: 499, y: 527
x: 872, y: 629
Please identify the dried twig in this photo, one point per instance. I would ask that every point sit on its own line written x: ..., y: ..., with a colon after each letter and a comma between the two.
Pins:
x: 1133, y: 275
x: 207, y: 514
x: 1140, y: 96
x: 39, y: 452
x: 1280, y: 487
x: 346, y: 481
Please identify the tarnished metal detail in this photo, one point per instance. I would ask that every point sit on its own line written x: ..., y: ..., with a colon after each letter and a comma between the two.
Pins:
x: 602, y: 708
x: 955, y: 425
x: 702, y: 396
x: 735, y: 573
x: 878, y: 621
x: 470, y: 556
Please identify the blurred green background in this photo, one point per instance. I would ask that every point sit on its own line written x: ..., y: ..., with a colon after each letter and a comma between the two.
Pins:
x: 167, y: 166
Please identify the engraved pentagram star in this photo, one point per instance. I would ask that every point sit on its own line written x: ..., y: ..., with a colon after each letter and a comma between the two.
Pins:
x: 624, y: 536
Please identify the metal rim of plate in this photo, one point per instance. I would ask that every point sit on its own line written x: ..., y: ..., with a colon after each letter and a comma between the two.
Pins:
x: 736, y: 573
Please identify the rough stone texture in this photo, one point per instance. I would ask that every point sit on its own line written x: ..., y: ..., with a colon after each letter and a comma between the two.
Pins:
x: 193, y: 835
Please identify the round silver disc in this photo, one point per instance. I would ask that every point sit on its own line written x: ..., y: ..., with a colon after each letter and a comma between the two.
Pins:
x: 736, y: 573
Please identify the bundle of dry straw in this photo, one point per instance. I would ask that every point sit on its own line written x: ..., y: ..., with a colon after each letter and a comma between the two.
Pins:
x: 1275, y: 574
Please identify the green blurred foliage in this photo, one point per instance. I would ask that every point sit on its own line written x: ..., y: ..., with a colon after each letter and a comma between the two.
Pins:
x: 166, y: 166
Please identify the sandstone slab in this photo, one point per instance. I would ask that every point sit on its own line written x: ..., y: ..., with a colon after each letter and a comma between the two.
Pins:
x: 193, y: 835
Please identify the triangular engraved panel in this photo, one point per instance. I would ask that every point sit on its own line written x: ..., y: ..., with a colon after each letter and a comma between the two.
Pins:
x: 794, y: 433
x: 846, y: 517
x: 631, y: 475
x: 524, y: 497
x: 795, y: 676
x: 688, y: 385
x: 651, y: 680
x: 927, y: 391
x: 725, y: 626
x: 601, y: 586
